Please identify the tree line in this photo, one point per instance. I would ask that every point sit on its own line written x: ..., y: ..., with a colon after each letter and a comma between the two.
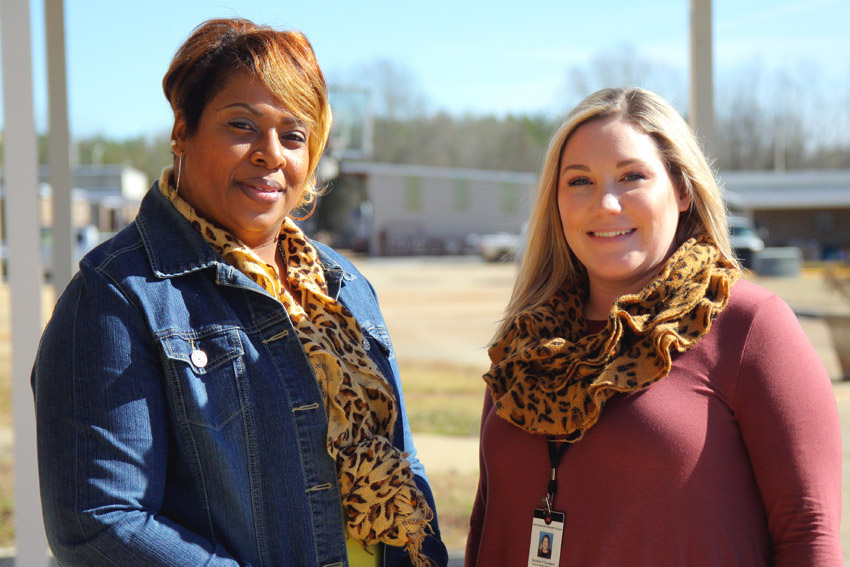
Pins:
x: 765, y: 119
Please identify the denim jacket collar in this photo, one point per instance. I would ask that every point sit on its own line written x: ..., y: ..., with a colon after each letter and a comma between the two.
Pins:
x: 175, y: 248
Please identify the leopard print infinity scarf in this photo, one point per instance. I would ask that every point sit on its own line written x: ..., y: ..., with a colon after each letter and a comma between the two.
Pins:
x: 381, y: 501
x: 550, y: 377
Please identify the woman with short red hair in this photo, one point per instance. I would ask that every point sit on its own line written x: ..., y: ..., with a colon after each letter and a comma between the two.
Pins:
x: 213, y: 387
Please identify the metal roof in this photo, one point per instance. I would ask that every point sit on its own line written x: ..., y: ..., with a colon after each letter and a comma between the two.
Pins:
x: 804, y: 189
x: 375, y: 168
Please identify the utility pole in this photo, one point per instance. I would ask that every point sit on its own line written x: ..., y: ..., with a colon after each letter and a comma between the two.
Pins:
x: 701, y: 99
x: 59, y: 147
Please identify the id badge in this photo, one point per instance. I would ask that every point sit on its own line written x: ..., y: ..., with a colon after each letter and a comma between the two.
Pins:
x: 546, y: 537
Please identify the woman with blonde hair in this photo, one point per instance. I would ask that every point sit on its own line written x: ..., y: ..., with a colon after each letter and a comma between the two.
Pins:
x: 214, y: 388
x: 646, y: 404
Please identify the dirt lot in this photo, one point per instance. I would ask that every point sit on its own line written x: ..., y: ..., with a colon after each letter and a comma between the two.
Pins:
x: 447, y: 309
x: 441, y: 313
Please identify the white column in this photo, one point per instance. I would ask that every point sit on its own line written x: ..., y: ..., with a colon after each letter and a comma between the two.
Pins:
x: 59, y: 145
x: 701, y: 107
x: 20, y: 160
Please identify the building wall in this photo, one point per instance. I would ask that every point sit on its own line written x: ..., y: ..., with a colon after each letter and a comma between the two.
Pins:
x: 80, y: 210
x: 805, y: 208
x: 820, y: 233
x: 421, y: 213
x: 107, y: 197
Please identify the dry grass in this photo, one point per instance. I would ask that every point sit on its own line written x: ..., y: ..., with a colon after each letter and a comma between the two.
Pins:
x: 7, y: 499
x: 7, y: 472
x: 454, y: 494
x: 441, y: 398
x: 837, y: 280
x: 445, y: 399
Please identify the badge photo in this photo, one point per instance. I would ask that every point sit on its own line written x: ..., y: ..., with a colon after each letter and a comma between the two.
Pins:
x: 547, y: 530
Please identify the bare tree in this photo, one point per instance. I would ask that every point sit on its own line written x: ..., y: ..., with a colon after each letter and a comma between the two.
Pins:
x: 743, y: 129
x: 624, y: 66
x: 396, y: 93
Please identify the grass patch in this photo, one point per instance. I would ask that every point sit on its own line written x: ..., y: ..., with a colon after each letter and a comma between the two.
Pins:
x: 444, y: 415
x: 454, y: 494
x: 442, y: 398
x: 7, y: 499
x: 7, y: 463
x: 5, y: 389
x: 440, y: 378
x: 446, y: 399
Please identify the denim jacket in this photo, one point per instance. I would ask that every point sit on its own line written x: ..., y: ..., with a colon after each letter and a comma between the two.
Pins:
x: 179, y: 421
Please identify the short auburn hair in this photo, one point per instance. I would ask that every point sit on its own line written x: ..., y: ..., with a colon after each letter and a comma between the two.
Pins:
x: 283, y: 61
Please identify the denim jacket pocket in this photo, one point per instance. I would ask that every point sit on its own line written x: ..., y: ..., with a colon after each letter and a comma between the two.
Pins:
x: 206, y: 374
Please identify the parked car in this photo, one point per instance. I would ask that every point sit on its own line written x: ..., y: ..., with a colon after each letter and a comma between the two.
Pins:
x: 499, y: 247
x: 745, y: 240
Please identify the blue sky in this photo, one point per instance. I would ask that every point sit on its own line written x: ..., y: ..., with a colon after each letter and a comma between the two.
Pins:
x: 474, y: 56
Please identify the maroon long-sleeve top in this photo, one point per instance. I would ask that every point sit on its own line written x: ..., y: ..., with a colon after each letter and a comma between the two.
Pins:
x: 733, y: 459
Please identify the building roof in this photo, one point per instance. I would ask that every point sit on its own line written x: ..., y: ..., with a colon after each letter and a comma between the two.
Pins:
x: 804, y: 189
x: 375, y: 168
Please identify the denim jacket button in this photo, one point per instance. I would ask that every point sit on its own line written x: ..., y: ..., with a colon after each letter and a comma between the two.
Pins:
x: 366, y: 345
x: 199, y: 358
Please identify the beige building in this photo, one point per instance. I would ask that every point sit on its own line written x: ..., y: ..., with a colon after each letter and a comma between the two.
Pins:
x: 434, y: 210
x: 105, y: 196
x: 807, y: 209
x: 104, y: 199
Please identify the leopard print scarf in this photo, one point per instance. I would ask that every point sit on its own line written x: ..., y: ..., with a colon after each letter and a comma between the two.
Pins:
x: 381, y: 501
x: 550, y: 377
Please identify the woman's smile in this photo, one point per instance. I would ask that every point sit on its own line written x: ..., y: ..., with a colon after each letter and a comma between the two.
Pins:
x: 263, y: 191
x: 610, y: 234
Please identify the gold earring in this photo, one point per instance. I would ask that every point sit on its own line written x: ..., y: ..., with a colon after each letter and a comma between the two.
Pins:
x: 314, y: 200
x: 179, y: 161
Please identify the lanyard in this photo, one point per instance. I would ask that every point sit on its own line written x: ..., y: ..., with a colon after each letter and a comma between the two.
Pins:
x: 556, y: 453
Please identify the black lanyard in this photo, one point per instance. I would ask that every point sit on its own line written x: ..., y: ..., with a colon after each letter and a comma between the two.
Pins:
x: 556, y: 453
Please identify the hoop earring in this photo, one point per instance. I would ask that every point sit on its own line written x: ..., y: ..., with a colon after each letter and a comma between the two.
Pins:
x: 308, y: 215
x: 179, y: 170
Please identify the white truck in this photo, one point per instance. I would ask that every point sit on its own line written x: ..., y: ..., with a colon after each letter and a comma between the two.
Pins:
x: 500, y: 247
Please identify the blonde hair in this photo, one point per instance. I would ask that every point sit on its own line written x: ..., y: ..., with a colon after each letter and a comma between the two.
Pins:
x: 283, y: 61
x: 548, y: 263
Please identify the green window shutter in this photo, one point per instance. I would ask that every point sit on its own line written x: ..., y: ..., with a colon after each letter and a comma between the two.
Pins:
x: 461, y: 195
x: 413, y: 194
x: 509, y: 197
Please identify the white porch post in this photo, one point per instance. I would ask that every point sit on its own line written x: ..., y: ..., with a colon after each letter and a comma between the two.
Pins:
x: 20, y: 160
